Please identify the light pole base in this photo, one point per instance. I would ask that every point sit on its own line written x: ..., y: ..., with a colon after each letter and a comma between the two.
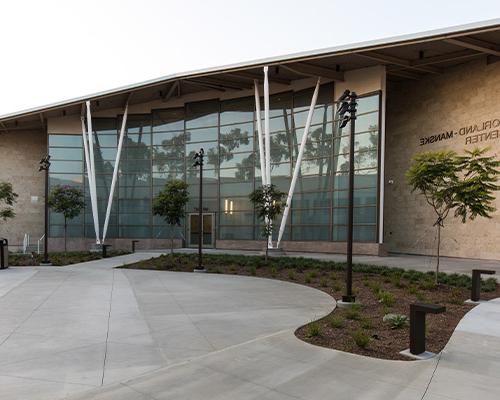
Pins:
x: 422, y: 356
x: 45, y: 264
x: 272, y: 252
x: 202, y: 269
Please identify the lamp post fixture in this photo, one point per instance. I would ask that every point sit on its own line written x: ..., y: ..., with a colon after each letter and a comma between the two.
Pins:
x: 198, y: 157
x: 44, y: 166
x: 348, y: 106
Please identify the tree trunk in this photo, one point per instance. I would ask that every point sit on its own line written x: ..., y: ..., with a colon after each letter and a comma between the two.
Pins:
x: 172, y: 240
x: 267, y: 248
x: 65, y: 234
x: 438, y: 250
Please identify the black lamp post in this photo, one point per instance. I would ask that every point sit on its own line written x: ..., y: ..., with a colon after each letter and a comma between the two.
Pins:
x: 44, y: 166
x: 348, y: 106
x: 198, y: 157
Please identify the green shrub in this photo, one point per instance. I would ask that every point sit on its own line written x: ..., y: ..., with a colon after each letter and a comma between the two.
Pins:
x: 412, y: 289
x: 489, y: 285
x: 337, y: 323
x: 396, y: 321
x: 308, y: 278
x: 314, y: 329
x: 337, y: 288
x: 361, y: 339
x: 386, y: 298
x: 291, y: 275
x: 333, y: 276
x: 353, y: 312
x: 421, y: 296
x: 366, y: 323
x: 323, y: 282
x: 313, y: 274
x: 253, y: 270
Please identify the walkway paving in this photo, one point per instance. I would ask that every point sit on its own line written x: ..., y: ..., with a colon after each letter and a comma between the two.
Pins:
x: 93, y: 332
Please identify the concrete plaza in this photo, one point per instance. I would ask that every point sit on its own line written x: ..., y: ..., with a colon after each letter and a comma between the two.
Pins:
x: 90, y: 331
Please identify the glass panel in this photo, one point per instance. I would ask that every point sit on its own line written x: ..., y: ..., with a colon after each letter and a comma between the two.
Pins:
x: 66, y: 140
x: 202, y: 114
x: 236, y: 174
x: 169, y: 138
x: 310, y: 199
x: 134, y: 219
x: 67, y: 153
x: 316, y: 232
x: 236, y: 232
x: 202, y: 135
x: 241, y: 188
x: 66, y: 166
x: 236, y: 218
x: 230, y: 203
x: 368, y: 103
x: 320, y: 216
x: 168, y: 120
x: 237, y: 132
x: 240, y: 160
x: 245, y: 144
x: 365, y: 233
x: 65, y: 179
x: 135, y: 232
x: 238, y: 110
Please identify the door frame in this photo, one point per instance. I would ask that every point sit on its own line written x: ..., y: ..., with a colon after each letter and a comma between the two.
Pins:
x: 188, y: 227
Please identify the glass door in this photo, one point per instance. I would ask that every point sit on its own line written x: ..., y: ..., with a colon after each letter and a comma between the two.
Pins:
x: 207, y: 229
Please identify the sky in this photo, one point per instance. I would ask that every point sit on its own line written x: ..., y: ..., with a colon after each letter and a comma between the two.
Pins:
x: 53, y: 50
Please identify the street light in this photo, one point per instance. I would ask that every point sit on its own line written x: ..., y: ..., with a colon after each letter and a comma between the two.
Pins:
x: 198, y: 157
x: 44, y: 166
x: 347, y: 112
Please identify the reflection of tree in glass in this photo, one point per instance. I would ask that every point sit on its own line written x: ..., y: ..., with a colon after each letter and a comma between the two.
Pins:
x: 136, y: 152
x: 169, y: 157
x: 365, y: 153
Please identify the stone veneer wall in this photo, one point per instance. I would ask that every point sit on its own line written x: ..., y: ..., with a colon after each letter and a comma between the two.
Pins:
x: 453, y: 101
x: 20, y: 154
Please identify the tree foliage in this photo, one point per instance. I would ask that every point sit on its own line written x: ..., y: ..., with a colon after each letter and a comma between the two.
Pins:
x: 268, y: 202
x: 68, y: 201
x: 464, y: 184
x: 8, y: 197
x: 170, y: 204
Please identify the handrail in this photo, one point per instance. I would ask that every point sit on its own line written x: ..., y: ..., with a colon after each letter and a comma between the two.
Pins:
x: 38, y: 243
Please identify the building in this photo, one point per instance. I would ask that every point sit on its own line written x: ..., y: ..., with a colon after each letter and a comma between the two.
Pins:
x: 430, y: 91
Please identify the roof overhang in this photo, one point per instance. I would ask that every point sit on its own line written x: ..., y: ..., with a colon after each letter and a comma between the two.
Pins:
x: 405, y: 57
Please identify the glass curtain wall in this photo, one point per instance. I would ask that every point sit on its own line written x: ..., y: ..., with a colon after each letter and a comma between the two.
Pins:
x: 160, y: 146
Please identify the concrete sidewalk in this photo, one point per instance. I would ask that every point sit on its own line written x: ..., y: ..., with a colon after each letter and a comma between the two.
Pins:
x: 419, y: 263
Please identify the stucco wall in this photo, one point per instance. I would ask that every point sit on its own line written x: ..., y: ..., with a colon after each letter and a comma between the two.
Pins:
x: 20, y: 153
x: 448, y: 103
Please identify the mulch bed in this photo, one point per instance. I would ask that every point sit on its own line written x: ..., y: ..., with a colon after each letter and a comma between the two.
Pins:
x: 383, y: 341
x: 59, y: 259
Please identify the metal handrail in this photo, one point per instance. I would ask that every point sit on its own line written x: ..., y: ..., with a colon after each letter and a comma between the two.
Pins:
x: 38, y: 243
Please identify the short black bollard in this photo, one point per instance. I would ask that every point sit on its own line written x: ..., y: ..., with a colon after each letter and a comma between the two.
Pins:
x: 133, y: 245
x: 105, y: 250
x: 475, y: 293
x: 417, y: 324
x: 4, y: 253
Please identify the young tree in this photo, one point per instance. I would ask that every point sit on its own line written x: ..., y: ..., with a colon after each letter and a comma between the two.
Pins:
x: 170, y: 204
x: 268, y: 203
x: 448, y: 182
x: 8, y: 197
x: 68, y: 201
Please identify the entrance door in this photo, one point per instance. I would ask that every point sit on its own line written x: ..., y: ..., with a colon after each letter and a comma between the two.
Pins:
x: 207, y: 228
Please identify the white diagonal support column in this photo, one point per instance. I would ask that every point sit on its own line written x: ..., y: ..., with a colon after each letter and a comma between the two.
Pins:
x: 91, y: 173
x: 115, y: 173
x: 298, y: 162
x: 266, y: 126
x: 260, y: 134
x: 267, y: 139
